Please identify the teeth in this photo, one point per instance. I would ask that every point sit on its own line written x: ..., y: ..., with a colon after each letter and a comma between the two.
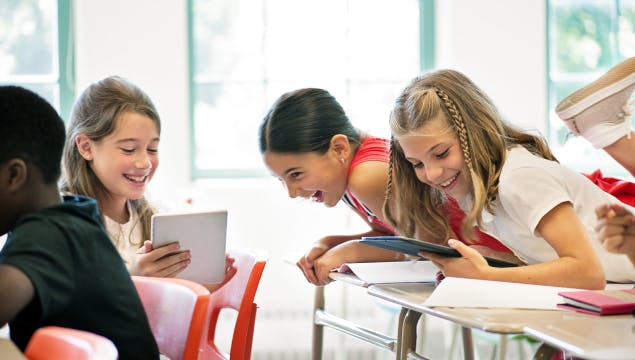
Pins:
x: 449, y: 181
x: 136, y: 178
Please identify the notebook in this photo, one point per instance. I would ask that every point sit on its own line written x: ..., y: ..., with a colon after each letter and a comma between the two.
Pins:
x: 600, y: 302
x: 203, y: 233
x: 392, y: 272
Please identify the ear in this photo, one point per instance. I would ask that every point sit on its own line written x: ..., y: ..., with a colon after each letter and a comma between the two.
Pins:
x: 14, y: 174
x: 84, y: 147
x: 340, y: 145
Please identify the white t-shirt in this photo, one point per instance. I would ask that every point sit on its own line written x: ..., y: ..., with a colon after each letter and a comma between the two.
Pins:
x: 529, y: 187
x: 126, y: 237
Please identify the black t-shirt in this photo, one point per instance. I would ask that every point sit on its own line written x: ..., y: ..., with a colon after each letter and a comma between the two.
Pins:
x: 79, y: 278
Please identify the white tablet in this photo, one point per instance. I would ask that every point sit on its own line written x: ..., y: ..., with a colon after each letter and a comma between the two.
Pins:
x: 203, y: 233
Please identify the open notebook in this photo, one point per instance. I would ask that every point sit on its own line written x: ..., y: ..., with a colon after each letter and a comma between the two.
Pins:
x: 392, y: 272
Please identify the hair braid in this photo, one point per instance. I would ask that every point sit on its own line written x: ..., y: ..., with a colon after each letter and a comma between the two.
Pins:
x: 459, y: 125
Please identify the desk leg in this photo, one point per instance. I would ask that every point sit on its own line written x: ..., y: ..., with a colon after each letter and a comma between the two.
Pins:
x: 400, y: 322
x: 409, y: 334
x: 468, y: 346
x: 318, y: 330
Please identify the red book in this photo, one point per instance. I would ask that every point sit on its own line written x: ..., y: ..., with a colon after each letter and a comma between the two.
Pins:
x: 600, y: 302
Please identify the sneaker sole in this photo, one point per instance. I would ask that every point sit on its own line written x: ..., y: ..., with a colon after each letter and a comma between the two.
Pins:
x: 616, y: 79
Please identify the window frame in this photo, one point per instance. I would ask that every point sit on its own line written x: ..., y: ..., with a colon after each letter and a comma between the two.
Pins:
x: 600, y: 160
x: 65, y: 81
x: 426, y: 62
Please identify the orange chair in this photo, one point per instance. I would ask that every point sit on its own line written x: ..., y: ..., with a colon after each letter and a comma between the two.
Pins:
x: 178, y: 313
x: 59, y: 343
x: 237, y: 294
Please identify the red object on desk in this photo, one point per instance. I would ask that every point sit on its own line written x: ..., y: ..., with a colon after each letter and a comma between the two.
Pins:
x: 600, y: 302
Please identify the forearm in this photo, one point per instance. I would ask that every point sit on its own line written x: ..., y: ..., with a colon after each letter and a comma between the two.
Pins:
x: 357, y: 252
x: 564, y: 272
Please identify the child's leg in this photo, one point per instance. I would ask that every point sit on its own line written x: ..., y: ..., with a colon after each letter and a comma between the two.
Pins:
x: 601, y: 113
x: 623, y: 151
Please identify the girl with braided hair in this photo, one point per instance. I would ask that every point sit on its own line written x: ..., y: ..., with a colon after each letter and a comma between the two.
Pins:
x: 448, y: 140
x: 308, y: 142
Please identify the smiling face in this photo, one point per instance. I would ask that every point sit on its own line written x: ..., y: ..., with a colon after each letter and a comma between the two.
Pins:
x: 321, y: 178
x: 125, y: 160
x: 436, y: 157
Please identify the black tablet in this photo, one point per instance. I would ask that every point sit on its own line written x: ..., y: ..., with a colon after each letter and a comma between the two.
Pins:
x: 413, y: 246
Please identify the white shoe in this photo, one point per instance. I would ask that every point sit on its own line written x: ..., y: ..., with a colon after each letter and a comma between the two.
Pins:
x: 600, y: 112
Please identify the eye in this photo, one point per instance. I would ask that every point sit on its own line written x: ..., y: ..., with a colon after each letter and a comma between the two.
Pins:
x: 417, y: 165
x: 295, y: 175
x: 443, y: 154
x: 127, y: 151
x: 153, y: 151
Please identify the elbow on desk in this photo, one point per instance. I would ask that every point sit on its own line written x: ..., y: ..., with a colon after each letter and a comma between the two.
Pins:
x: 593, y: 280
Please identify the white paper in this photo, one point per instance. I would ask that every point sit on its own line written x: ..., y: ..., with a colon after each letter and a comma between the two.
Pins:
x: 394, y: 271
x: 459, y: 292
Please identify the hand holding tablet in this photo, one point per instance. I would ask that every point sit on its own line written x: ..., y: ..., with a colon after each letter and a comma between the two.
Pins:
x: 203, y: 234
x: 413, y: 247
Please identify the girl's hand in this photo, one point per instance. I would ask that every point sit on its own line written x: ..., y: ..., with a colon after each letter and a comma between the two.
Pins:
x: 307, y: 262
x: 157, y: 263
x: 501, y: 255
x: 471, y: 265
x: 616, y: 229
x: 230, y: 271
x: 332, y: 259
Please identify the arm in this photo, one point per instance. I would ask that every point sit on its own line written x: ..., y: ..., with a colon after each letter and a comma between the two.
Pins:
x: 616, y: 229
x: 332, y: 251
x: 20, y: 288
x: 577, y: 264
x: 154, y: 262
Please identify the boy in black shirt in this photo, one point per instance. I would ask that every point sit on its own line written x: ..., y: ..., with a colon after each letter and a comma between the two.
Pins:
x: 58, y: 266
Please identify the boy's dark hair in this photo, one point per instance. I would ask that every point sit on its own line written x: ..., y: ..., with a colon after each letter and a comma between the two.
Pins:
x: 31, y: 129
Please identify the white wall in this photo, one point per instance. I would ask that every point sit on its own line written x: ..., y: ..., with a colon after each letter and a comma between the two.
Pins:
x: 500, y: 45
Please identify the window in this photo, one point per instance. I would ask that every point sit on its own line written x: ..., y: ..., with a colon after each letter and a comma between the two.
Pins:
x: 36, y: 49
x: 245, y: 53
x: 585, y: 39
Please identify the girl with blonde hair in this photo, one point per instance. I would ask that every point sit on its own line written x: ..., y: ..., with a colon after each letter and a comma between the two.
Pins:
x: 449, y: 140
x: 111, y: 154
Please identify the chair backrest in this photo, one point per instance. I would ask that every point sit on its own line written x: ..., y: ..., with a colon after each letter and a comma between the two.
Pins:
x: 178, y: 313
x: 237, y: 294
x: 59, y: 343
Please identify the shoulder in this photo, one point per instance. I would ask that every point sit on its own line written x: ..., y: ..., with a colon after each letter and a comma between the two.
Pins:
x: 372, y: 149
x: 368, y: 179
x: 522, y: 165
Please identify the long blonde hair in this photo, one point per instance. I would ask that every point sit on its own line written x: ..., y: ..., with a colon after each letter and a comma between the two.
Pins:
x: 95, y: 115
x: 418, y: 209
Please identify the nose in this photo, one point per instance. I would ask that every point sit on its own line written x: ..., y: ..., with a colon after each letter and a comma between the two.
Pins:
x: 142, y: 161
x: 433, y: 173
x: 293, y: 191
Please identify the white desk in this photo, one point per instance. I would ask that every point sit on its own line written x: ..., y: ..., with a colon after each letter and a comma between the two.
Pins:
x: 590, y: 337
x: 582, y: 335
